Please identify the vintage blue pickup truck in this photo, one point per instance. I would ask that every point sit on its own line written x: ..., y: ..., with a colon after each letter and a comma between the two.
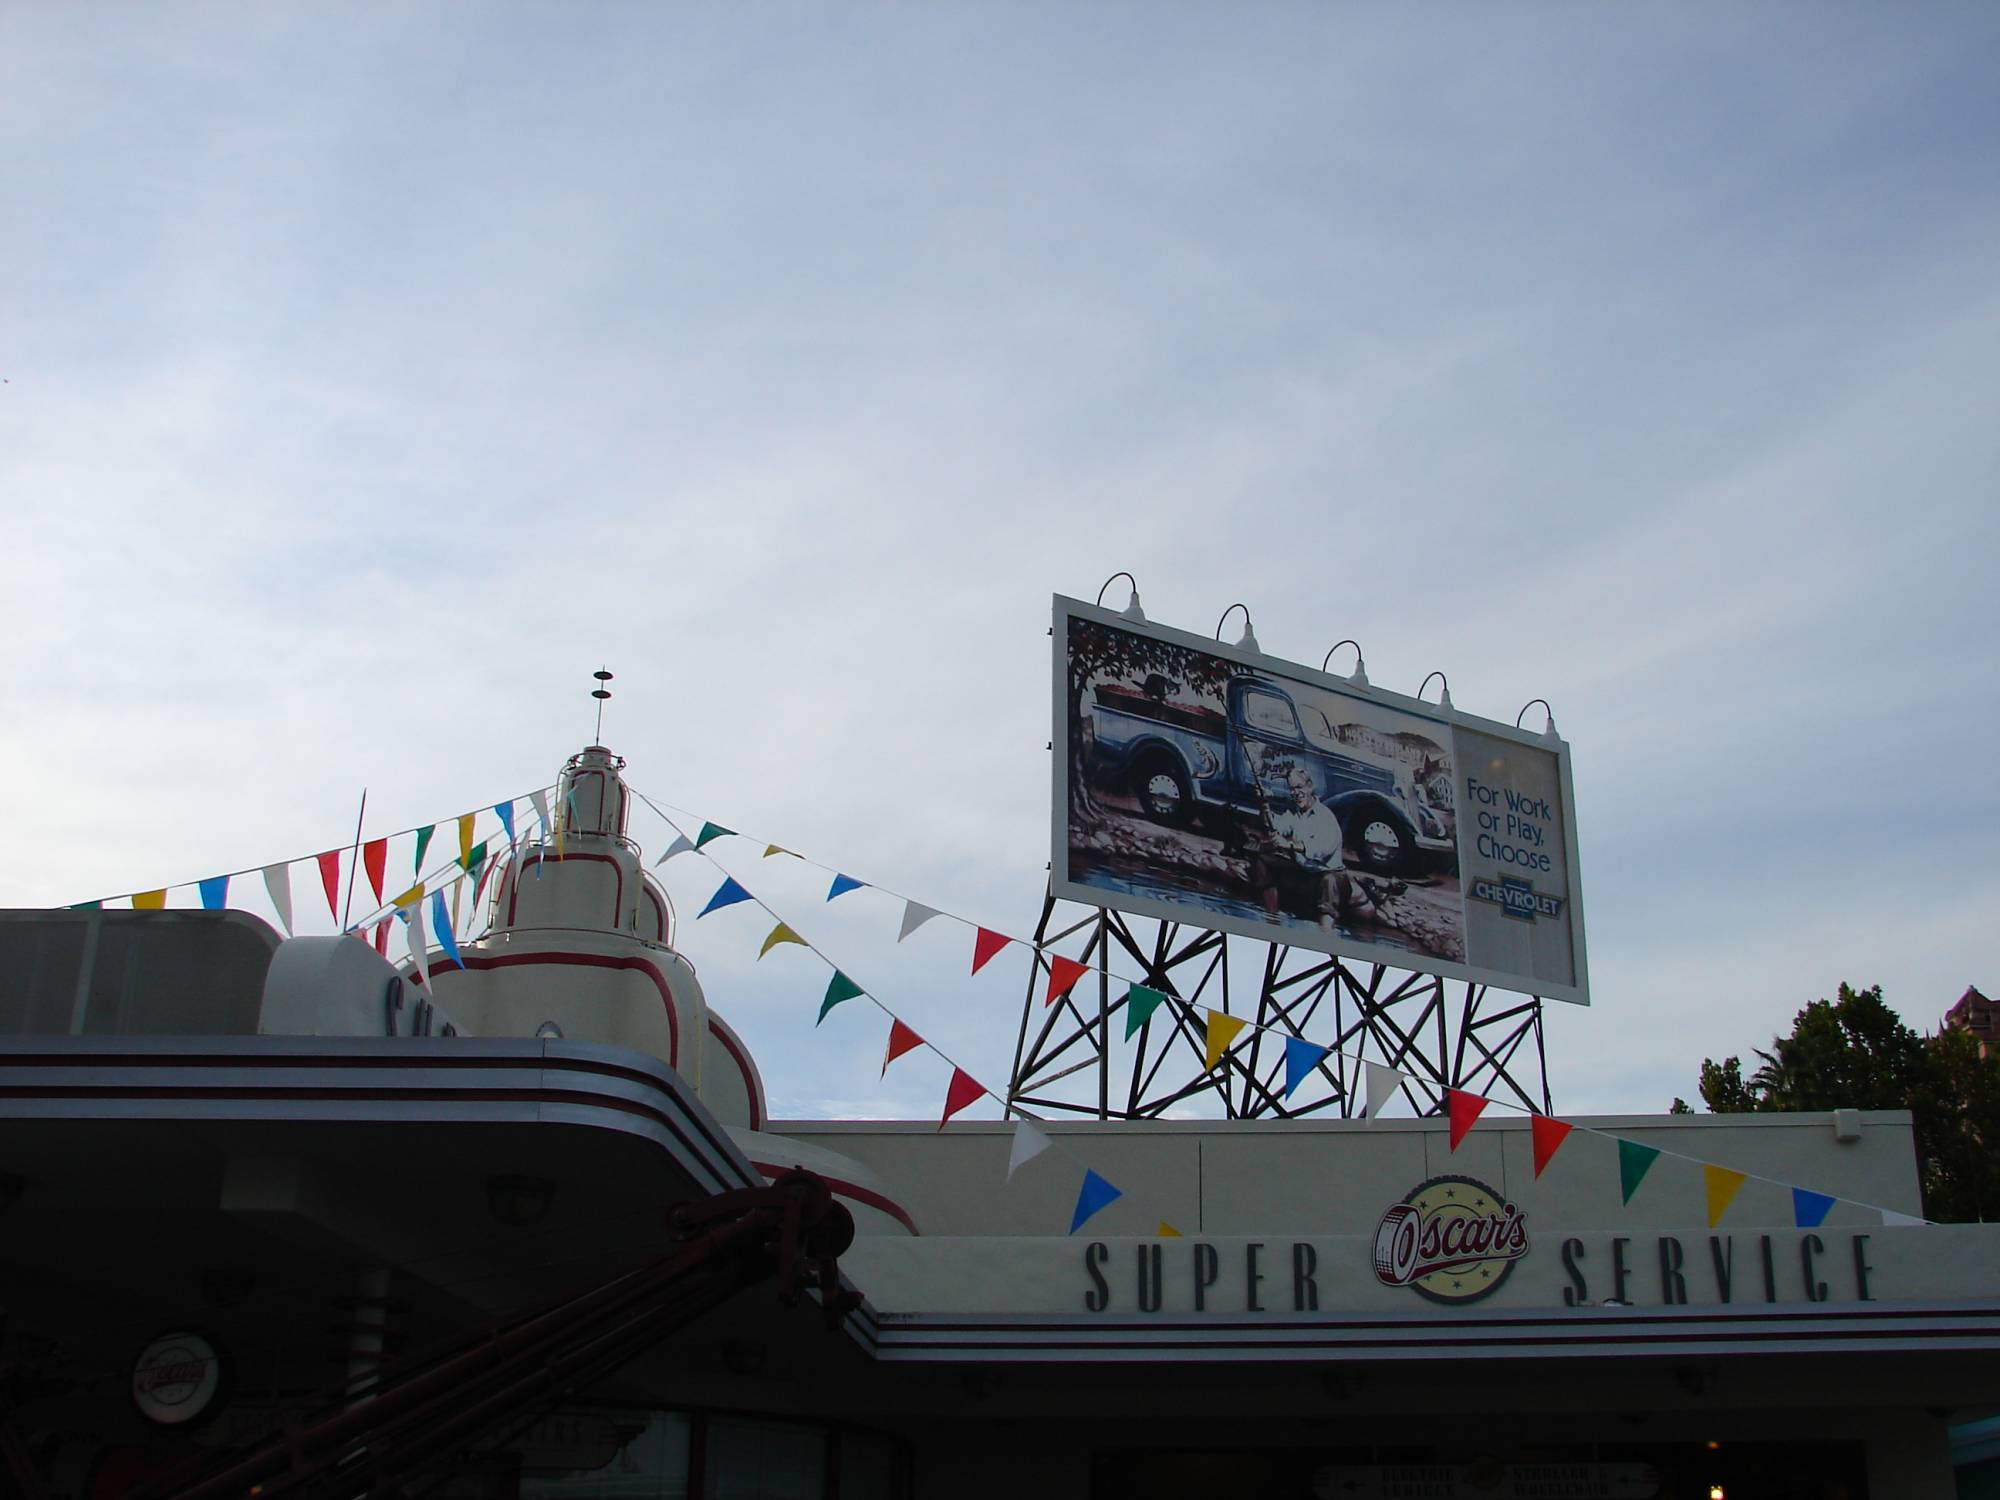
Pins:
x: 1186, y: 764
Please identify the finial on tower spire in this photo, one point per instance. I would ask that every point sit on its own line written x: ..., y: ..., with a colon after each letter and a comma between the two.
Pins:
x: 600, y: 693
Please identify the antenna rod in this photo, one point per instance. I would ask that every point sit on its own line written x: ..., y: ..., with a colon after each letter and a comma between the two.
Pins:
x: 600, y: 693
x: 353, y: 859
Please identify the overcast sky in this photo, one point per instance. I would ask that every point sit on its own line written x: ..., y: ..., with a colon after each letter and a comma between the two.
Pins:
x: 374, y: 373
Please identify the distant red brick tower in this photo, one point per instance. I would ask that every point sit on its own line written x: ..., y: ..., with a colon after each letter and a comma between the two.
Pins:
x: 1978, y: 1015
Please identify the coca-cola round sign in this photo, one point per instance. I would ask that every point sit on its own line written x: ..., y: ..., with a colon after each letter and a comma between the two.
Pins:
x: 1453, y: 1239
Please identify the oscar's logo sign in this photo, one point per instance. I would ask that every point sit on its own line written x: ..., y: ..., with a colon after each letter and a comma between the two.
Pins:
x: 1453, y: 1239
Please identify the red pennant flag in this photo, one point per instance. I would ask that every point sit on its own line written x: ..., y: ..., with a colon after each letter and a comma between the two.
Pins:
x: 963, y: 1091
x: 382, y: 936
x: 1463, y: 1108
x: 901, y: 1040
x: 374, y: 858
x: 329, y: 877
x: 1063, y: 975
x: 985, y: 946
x: 1549, y: 1134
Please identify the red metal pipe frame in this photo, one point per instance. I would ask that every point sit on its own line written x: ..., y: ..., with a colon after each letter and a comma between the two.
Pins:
x: 481, y: 1377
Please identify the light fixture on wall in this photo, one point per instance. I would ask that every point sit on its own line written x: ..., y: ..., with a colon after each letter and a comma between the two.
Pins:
x: 1359, y: 676
x: 1444, y: 691
x: 518, y: 1200
x: 1131, y: 611
x: 1248, y: 642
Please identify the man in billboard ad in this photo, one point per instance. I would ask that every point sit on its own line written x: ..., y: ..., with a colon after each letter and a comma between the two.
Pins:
x: 1207, y: 784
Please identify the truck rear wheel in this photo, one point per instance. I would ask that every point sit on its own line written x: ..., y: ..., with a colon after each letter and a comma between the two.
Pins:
x: 1163, y: 791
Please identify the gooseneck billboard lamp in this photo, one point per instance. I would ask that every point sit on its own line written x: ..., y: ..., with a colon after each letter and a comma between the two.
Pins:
x: 1360, y: 674
x: 1249, y: 639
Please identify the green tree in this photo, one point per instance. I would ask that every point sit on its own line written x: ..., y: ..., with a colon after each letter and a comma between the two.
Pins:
x: 1854, y: 1052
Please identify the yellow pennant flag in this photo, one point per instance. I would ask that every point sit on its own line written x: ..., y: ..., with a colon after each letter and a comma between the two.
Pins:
x: 465, y: 838
x: 412, y: 896
x: 1167, y: 1231
x: 771, y: 849
x: 1722, y: 1185
x: 1222, y: 1031
x: 780, y: 934
x: 149, y: 901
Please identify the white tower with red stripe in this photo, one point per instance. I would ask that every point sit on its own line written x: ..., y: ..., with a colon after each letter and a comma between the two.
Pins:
x: 578, y: 945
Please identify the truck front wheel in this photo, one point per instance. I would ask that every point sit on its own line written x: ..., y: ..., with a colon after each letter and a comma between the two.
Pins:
x: 1163, y: 791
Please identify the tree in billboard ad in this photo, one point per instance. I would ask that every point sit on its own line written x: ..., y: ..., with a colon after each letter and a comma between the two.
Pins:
x: 1248, y: 794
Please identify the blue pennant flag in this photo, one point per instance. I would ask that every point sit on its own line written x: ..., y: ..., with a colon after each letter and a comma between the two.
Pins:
x: 842, y: 884
x: 1301, y: 1057
x: 1093, y: 1195
x: 441, y: 925
x: 1810, y: 1209
x: 506, y: 812
x: 728, y: 895
x: 214, y: 892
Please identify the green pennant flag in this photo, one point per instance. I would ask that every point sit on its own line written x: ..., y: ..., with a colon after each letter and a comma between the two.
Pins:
x: 711, y: 831
x: 838, y: 988
x: 423, y: 842
x: 1140, y: 1003
x: 474, y: 858
x: 1634, y: 1161
x: 87, y: 906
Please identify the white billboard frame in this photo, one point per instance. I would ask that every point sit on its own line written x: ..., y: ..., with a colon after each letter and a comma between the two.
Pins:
x: 1298, y: 934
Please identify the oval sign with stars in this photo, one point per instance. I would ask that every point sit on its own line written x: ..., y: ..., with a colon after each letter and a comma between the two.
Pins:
x: 1452, y: 1239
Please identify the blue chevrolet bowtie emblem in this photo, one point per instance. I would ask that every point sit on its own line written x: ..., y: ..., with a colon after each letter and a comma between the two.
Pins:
x: 1516, y: 898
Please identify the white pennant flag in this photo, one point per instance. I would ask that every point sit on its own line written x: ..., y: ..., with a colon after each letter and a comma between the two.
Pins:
x: 1382, y: 1086
x: 278, y: 881
x: 914, y: 916
x: 682, y: 844
x: 1029, y: 1143
x: 541, y: 801
x: 1893, y: 1220
x: 419, y: 943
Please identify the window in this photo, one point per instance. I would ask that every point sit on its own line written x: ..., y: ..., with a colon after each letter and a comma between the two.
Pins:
x: 1270, y: 714
x: 749, y: 1460
x: 632, y: 1455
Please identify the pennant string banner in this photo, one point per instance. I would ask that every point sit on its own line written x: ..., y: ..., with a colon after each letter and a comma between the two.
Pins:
x: 902, y: 1038
x: 1029, y: 1143
x: 446, y: 937
x: 278, y: 887
x: 329, y: 879
x: 1301, y: 1057
x: 1462, y: 1107
x: 985, y: 945
x: 1140, y: 1003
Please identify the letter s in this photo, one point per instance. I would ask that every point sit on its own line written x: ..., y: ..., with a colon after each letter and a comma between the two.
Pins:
x: 1095, y: 1254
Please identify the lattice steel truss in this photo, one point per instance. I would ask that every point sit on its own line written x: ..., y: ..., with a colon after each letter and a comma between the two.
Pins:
x: 1439, y: 1034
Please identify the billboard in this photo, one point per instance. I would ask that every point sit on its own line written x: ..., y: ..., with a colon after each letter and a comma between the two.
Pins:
x: 1207, y: 784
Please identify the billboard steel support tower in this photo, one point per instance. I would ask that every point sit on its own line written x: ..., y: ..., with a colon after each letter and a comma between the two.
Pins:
x: 1439, y: 1034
